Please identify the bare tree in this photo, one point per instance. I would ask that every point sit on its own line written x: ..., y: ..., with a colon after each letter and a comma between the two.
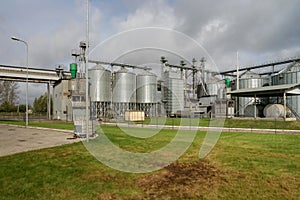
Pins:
x: 8, y: 92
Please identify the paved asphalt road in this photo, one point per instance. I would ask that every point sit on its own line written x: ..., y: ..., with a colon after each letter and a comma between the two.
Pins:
x: 15, y: 139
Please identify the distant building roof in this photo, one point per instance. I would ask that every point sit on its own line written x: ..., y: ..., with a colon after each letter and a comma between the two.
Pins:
x: 249, y: 74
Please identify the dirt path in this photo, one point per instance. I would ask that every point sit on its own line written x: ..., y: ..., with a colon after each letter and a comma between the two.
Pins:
x: 16, y: 139
x: 182, y: 181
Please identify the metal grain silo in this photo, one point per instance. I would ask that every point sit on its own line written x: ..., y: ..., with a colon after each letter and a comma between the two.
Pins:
x: 124, y: 91
x: 254, y: 111
x: 215, y: 87
x: 100, y: 90
x: 100, y: 84
x: 290, y: 75
x: 146, y: 92
x: 146, y: 85
x: 248, y: 79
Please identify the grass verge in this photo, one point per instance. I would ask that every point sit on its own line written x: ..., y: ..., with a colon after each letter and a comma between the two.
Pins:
x: 241, y: 166
x: 228, y: 122
x: 46, y: 124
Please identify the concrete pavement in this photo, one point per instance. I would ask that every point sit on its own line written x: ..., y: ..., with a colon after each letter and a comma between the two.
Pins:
x: 16, y: 139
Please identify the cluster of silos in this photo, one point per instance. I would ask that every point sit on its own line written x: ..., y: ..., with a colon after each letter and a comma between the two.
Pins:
x: 112, y: 94
x: 290, y: 75
x: 246, y: 105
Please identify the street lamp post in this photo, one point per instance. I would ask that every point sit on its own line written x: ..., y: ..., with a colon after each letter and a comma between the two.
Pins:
x: 26, y: 44
x: 86, y: 55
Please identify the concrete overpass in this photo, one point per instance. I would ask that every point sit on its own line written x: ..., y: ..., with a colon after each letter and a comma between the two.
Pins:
x: 19, y: 74
x: 34, y: 75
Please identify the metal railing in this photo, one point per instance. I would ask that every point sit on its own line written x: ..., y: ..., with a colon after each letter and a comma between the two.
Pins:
x: 295, y: 113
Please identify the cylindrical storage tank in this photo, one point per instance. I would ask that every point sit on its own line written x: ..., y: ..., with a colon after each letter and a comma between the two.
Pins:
x: 251, y: 82
x: 275, y: 111
x: 249, y: 111
x: 248, y: 80
x: 146, y: 88
x: 290, y: 76
x: 286, y: 78
x: 100, y: 84
x: 124, y: 87
x: 73, y: 70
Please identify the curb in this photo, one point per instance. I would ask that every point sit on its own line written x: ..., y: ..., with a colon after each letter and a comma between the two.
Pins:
x: 203, y: 128
x: 39, y: 128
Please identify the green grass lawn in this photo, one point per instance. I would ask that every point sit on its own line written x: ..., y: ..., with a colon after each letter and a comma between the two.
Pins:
x: 241, y: 166
x: 47, y: 124
x: 230, y: 123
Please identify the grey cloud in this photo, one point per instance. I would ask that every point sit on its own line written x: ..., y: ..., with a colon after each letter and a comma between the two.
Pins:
x: 264, y: 27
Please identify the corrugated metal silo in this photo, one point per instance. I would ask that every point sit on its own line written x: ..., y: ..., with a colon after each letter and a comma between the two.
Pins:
x: 100, y: 84
x: 290, y: 75
x: 215, y: 87
x: 146, y: 85
x: 248, y: 79
x: 124, y: 87
x: 124, y: 91
x: 146, y: 92
x: 100, y: 90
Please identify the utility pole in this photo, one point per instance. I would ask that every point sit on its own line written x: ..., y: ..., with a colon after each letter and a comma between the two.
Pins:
x: 237, y: 71
x: 86, y: 73
x: 194, y: 78
x: 27, y: 65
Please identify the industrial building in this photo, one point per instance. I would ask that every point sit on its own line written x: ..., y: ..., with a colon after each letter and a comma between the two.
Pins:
x: 113, y: 93
x: 114, y: 89
x: 269, y: 94
x: 179, y: 91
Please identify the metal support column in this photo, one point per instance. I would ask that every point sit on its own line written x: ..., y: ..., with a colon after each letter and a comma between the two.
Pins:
x: 284, y: 106
x: 255, y: 114
x: 86, y: 56
x: 237, y: 71
x: 185, y: 88
x: 49, y: 101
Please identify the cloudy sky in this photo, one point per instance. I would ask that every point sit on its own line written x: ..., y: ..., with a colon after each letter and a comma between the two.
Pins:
x: 259, y: 30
